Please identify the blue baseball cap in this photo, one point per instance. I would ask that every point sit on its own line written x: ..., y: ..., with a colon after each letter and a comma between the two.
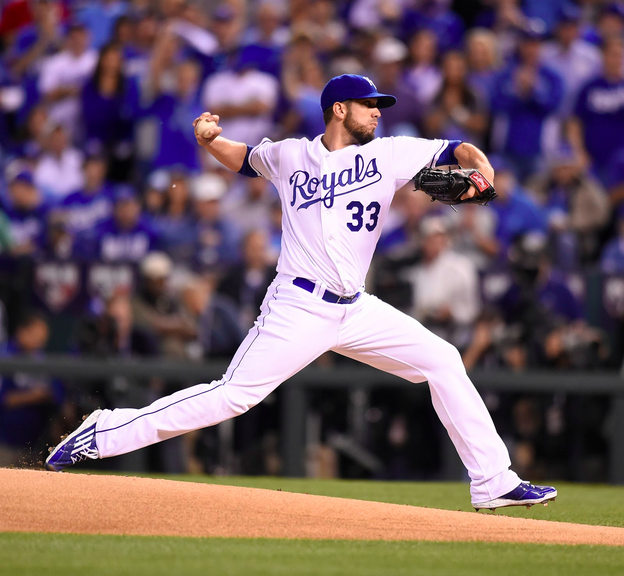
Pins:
x: 124, y: 192
x: 350, y: 87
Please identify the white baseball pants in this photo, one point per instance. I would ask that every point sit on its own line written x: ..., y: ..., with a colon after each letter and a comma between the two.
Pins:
x: 294, y: 328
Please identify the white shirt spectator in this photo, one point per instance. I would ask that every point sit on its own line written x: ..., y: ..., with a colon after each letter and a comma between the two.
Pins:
x: 57, y: 176
x: 65, y: 70
x: 450, y: 281
x: 233, y: 89
x: 576, y: 65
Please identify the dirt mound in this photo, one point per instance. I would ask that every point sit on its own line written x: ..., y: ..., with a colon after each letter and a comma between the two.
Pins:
x: 51, y: 502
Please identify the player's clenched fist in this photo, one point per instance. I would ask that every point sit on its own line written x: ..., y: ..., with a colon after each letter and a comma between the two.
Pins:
x: 206, y: 128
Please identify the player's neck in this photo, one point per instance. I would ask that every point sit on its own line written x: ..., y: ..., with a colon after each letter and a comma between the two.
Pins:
x: 335, y: 139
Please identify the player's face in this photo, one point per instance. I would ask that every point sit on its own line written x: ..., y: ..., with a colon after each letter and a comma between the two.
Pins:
x: 361, y: 119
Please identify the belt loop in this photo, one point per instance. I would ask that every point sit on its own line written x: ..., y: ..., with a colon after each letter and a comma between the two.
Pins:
x: 319, y: 289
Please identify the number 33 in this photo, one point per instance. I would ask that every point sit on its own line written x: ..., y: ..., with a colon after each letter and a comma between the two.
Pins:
x: 357, y: 215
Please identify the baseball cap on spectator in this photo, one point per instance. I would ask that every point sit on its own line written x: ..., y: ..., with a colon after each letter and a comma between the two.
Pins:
x: 389, y: 50
x: 24, y: 175
x: 563, y: 155
x: 249, y: 57
x: 159, y: 180
x: 223, y: 13
x: 534, y: 30
x: 124, y: 192
x: 615, y: 8
x: 156, y: 265
x: 570, y: 13
x: 352, y: 86
x: 209, y: 187
x: 434, y: 225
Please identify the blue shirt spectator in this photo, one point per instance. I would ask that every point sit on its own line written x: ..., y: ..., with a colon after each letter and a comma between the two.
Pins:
x: 99, y: 17
x: 176, y: 145
x: 599, y: 112
x: 440, y: 19
x: 124, y: 238
x: 88, y: 207
x: 26, y: 400
x: 27, y: 215
x: 516, y: 212
x: 109, y: 104
x: 526, y: 94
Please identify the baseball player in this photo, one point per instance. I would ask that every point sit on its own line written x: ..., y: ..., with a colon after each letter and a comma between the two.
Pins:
x: 336, y: 191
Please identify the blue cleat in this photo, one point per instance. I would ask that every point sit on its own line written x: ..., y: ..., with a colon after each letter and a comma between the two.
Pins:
x: 524, y: 495
x: 76, y: 447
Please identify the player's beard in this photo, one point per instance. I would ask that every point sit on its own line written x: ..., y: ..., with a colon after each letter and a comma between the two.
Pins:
x: 358, y: 131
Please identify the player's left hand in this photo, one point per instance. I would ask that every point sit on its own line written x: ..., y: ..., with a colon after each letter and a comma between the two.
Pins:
x: 455, y: 186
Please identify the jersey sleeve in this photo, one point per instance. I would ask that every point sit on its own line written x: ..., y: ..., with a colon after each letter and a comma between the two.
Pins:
x: 410, y: 154
x: 264, y: 159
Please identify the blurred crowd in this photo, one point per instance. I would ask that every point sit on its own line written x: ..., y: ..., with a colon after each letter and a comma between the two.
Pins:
x: 119, y: 236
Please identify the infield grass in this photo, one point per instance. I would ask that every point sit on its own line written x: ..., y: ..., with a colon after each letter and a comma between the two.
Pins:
x: 80, y: 555
x: 86, y: 555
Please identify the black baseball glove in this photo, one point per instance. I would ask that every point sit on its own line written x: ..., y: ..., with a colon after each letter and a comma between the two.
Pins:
x: 449, y: 186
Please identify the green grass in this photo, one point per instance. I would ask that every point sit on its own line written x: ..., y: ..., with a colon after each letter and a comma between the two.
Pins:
x: 89, y: 555
x: 80, y: 555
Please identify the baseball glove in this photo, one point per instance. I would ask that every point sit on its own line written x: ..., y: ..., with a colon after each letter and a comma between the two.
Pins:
x: 449, y: 186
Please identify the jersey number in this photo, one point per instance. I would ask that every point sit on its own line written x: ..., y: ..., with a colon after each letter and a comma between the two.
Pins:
x: 357, y: 215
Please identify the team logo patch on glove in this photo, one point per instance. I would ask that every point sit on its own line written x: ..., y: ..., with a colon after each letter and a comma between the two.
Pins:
x: 449, y: 186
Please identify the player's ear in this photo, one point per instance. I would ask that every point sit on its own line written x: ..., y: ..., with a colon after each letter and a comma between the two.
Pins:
x: 340, y: 110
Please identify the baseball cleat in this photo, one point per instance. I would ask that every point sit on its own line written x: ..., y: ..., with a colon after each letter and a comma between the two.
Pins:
x: 76, y: 447
x: 524, y: 495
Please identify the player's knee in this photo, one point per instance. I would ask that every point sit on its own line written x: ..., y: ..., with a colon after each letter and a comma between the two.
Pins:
x: 237, y: 402
x: 448, y: 356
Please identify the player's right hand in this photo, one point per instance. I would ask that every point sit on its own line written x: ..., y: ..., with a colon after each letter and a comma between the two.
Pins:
x: 206, y: 141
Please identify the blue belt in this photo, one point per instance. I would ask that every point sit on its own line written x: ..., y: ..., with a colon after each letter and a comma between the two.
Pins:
x: 328, y: 296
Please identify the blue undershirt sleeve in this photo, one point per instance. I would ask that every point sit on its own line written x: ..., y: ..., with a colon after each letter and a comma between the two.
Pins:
x: 246, y: 169
x: 448, y: 155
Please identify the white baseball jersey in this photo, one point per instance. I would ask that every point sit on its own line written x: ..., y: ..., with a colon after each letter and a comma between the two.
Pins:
x: 335, y: 203
x: 334, y: 206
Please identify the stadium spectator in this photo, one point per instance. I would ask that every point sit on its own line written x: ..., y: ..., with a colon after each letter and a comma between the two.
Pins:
x: 174, y: 224
x: 218, y: 331
x: 27, y: 401
x: 573, y: 58
x: 404, y: 118
x: 246, y: 283
x: 437, y: 16
x: 527, y: 94
x: 303, y: 83
x: 483, y: 60
x: 551, y: 328
x: 423, y: 75
x: 93, y: 203
x: 63, y: 76
x: 319, y: 20
x: 31, y: 143
x: 576, y: 206
x: 157, y: 312
x: 596, y: 128
x: 126, y: 237
x: 457, y: 112
x: 26, y: 212
x: 175, y: 143
x: 114, y: 333
x: 612, y: 258
x: 216, y: 239
x: 473, y: 231
x: 249, y: 207
x: 516, y: 212
x: 109, y: 104
x: 99, y: 19
x: 445, y: 286
x: 58, y: 171
x: 266, y: 27
x: 244, y: 98
x: 157, y: 184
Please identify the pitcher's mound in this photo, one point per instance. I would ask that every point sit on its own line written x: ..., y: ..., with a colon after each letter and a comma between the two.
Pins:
x: 34, y: 501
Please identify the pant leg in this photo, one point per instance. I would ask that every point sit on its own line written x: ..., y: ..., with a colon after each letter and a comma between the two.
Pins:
x: 293, y: 329
x: 377, y: 334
